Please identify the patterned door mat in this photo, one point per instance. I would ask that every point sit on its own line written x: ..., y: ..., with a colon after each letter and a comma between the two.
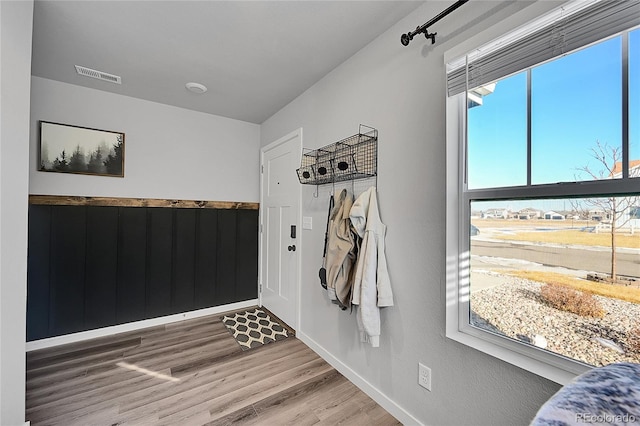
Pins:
x: 254, y: 328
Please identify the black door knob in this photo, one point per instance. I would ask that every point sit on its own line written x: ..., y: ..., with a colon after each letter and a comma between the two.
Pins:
x: 291, y: 248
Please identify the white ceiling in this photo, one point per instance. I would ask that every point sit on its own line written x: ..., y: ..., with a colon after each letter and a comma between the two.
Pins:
x: 254, y: 56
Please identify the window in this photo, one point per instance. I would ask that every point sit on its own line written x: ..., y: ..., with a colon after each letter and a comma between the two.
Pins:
x: 576, y: 102
x: 543, y: 235
x: 498, y: 152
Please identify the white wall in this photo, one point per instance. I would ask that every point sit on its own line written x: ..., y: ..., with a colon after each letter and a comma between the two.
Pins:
x: 16, y: 22
x: 401, y: 91
x: 170, y: 152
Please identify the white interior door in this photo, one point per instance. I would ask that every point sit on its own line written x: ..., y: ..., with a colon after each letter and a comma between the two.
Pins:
x: 279, y: 212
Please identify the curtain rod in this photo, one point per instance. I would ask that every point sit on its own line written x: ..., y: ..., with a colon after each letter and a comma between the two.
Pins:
x: 406, y: 38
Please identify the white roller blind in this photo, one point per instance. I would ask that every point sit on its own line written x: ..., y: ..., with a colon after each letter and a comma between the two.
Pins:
x: 575, y: 25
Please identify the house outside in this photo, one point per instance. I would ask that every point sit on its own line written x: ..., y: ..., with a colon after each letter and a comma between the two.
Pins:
x: 598, y: 215
x: 496, y: 214
x: 528, y: 214
x: 572, y: 215
x: 629, y: 220
x: 551, y: 215
x: 634, y: 169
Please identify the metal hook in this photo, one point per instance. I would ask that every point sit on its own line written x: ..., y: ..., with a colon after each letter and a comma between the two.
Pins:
x: 316, y: 194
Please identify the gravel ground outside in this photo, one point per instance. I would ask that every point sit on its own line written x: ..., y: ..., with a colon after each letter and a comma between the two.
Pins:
x: 514, y: 308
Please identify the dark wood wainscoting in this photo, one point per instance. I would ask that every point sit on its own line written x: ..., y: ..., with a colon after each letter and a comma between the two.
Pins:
x: 93, y: 266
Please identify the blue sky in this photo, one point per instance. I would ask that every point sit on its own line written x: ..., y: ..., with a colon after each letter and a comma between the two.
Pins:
x: 576, y: 101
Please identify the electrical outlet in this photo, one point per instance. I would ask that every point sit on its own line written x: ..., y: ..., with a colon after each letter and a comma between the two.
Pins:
x: 424, y: 376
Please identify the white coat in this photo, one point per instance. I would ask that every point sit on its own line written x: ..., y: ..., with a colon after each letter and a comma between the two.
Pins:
x: 371, y: 286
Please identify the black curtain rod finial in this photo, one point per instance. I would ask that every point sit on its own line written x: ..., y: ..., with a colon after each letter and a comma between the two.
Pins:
x: 406, y: 38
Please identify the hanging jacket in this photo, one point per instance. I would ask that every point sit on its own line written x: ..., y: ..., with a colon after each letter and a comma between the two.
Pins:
x: 371, y: 286
x: 341, y: 252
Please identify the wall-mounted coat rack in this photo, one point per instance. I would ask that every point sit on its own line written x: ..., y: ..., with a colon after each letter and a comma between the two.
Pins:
x: 355, y: 157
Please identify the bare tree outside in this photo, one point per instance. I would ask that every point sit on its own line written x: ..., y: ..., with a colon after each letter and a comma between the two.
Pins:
x: 617, y: 209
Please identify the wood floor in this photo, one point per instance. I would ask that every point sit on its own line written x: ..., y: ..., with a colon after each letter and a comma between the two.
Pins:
x: 190, y: 373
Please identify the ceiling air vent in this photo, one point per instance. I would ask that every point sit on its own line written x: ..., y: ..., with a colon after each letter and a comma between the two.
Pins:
x: 88, y: 72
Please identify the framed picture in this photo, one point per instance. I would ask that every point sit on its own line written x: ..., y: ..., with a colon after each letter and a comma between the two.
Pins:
x: 74, y: 149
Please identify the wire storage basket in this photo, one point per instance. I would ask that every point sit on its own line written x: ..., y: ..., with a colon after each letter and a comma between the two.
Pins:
x: 355, y: 157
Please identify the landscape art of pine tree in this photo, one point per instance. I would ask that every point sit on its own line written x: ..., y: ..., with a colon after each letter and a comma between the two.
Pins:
x: 44, y: 157
x: 73, y: 149
x: 96, y: 162
x: 78, y: 163
x: 114, y: 162
x: 62, y: 164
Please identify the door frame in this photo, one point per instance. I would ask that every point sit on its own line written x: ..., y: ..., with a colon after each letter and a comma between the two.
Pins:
x: 261, y: 243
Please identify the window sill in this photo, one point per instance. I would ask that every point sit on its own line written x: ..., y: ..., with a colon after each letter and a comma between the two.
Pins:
x: 497, y: 347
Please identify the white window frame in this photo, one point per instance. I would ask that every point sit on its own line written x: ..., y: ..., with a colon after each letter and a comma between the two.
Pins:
x: 546, y: 364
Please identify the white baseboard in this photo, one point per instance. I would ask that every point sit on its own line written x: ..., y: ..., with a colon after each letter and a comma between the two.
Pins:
x: 132, y: 326
x: 394, y: 409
